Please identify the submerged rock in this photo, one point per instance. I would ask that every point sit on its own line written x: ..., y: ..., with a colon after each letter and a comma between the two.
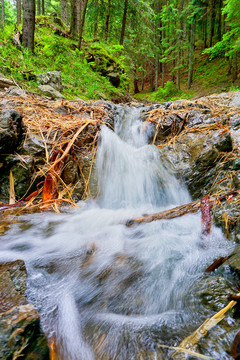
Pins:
x: 20, y: 333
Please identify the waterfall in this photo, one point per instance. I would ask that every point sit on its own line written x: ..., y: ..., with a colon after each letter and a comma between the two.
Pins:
x: 106, y: 291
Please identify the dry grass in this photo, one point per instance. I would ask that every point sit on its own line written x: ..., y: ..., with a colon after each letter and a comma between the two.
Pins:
x: 64, y: 128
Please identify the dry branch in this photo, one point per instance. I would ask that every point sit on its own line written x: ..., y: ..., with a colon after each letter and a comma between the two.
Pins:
x: 192, y: 207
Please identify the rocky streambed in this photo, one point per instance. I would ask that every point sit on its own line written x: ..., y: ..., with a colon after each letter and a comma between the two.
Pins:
x: 40, y: 138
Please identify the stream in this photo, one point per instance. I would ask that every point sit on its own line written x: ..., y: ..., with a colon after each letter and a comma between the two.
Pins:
x: 107, y: 291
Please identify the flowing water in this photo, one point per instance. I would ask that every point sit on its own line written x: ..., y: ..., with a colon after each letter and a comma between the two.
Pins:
x: 107, y: 291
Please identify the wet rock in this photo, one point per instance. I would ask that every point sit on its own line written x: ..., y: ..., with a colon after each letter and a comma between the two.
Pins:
x: 11, y: 131
x: 70, y: 171
x: 48, y: 90
x: 20, y: 333
x: 234, y: 260
x: 51, y: 78
x: 22, y: 169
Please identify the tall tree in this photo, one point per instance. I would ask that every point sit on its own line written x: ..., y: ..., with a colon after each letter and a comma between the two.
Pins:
x: 43, y: 7
x: 107, y: 19
x: 28, y: 23
x: 39, y: 7
x: 73, y: 24
x: 95, y: 35
x: 19, y: 12
x: 191, y: 53
x: 82, y: 25
x: 2, y: 13
x: 64, y: 11
x: 124, y: 21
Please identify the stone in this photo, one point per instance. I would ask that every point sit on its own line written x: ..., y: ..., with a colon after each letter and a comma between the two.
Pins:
x: 235, y: 100
x: 11, y: 131
x: 5, y: 83
x: 70, y: 171
x: 20, y: 333
x: 16, y: 91
x: 48, y: 90
x: 52, y: 78
x: 22, y: 169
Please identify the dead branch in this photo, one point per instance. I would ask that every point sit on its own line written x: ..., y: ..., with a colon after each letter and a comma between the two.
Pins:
x: 181, y: 210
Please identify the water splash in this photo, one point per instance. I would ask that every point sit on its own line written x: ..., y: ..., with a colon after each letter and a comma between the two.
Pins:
x: 106, y: 291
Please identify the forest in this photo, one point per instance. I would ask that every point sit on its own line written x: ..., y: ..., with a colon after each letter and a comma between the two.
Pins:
x: 164, y: 48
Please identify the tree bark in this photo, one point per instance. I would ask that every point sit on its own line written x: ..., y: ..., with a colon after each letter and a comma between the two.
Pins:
x: 73, y: 25
x: 82, y: 25
x: 3, y: 13
x: 28, y: 23
x: 124, y: 22
x: 38, y: 7
x: 79, y: 10
x: 95, y: 35
x: 64, y: 11
x: 107, y: 20
x: 191, y: 54
x: 43, y: 7
x: 19, y: 12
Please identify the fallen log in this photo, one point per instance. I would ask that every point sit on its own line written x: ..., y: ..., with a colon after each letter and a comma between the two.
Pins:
x: 181, y: 210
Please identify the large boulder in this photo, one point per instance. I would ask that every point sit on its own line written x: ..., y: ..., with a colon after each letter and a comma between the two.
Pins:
x: 52, y: 78
x: 11, y: 131
x: 20, y: 333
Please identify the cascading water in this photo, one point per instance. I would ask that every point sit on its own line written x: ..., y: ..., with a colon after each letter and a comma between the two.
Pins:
x: 105, y: 291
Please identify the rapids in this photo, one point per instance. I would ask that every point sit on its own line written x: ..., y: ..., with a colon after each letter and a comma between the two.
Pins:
x: 106, y: 291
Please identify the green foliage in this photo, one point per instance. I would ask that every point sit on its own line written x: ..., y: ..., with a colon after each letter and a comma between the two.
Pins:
x: 53, y: 52
x: 167, y: 92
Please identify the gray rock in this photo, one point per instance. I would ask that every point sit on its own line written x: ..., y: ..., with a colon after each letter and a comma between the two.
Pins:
x: 16, y: 91
x: 22, y: 169
x: 11, y: 131
x: 20, y: 333
x: 52, y: 78
x: 48, y: 90
x: 235, y: 100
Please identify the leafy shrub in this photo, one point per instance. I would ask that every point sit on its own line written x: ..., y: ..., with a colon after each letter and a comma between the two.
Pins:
x: 167, y: 92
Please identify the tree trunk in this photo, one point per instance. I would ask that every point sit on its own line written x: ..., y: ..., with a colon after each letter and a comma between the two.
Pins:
x: 95, y: 31
x: 156, y: 70
x: 95, y: 35
x: 235, y: 66
x: 82, y: 25
x: 64, y: 11
x: 124, y: 22
x: 107, y: 20
x: 3, y: 13
x: 79, y: 9
x: 142, y: 81
x: 163, y: 74
x: 19, y: 12
x: 73, y: 25
x: 38, y: 7
x: 178, y: 69
x: 191, y: 54
x: 28, y: 24
x: 211, y: 22
x: 219, y: 21
x: 43, y: 7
